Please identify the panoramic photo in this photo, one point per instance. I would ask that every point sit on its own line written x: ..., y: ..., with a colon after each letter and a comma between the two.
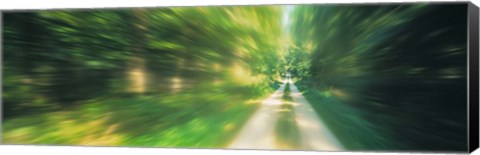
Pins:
x: 323, y: 77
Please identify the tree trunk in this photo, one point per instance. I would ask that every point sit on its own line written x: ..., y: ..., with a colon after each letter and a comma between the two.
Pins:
x: 136, y: 72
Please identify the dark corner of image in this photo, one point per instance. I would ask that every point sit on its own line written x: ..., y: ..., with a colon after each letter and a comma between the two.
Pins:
x: 473, y: 16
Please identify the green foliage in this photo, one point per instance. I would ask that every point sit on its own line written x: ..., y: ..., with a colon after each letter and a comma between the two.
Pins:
x: 137, y: 77
x: 79, y: 55
x: 196, y: 116
x: 382, y: 76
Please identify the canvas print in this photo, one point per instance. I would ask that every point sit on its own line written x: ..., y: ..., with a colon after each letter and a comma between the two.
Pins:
x: 321, y: 77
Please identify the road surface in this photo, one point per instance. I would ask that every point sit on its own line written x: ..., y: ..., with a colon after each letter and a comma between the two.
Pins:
x: 259, y: 131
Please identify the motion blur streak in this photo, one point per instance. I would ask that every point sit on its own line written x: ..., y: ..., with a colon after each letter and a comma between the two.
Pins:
x: 359, y: 77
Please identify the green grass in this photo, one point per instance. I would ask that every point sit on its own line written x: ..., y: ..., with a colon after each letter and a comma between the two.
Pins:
x: 203, y: 117
x: 346, y: 122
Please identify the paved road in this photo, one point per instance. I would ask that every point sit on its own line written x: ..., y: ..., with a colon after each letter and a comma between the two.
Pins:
x: 259, y: 131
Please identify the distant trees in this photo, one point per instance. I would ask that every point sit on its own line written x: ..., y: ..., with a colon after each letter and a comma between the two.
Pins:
x: 56, y: 59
